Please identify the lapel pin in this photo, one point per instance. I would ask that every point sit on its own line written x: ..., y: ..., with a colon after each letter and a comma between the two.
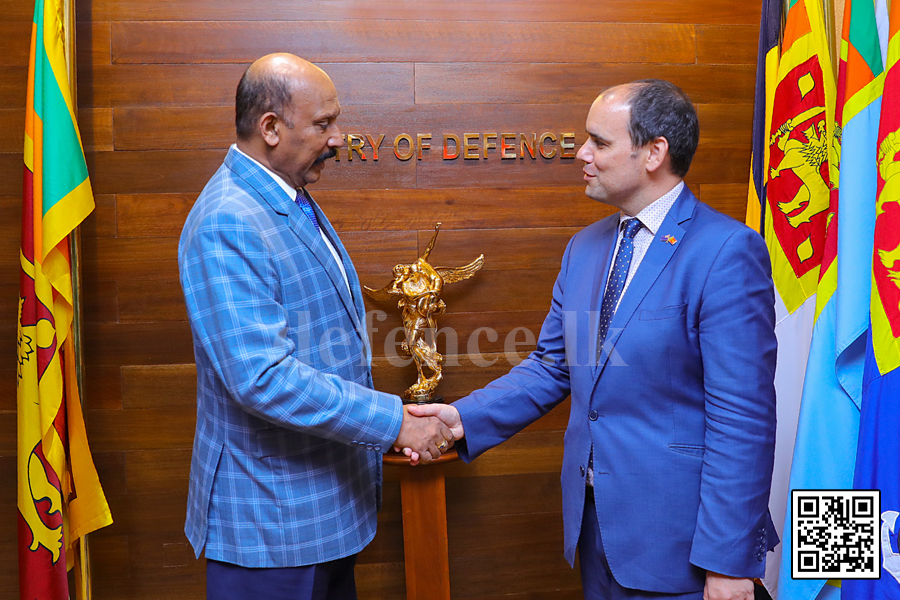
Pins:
x: 669, y: 238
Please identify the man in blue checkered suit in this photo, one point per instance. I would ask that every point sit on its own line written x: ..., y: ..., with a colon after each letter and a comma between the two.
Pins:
x: 286, y: 468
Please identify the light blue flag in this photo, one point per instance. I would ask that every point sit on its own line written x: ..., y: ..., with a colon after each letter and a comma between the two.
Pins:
x: 827, y: 430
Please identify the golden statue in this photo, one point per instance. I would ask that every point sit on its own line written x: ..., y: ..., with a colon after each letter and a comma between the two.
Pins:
x: 417, y: 288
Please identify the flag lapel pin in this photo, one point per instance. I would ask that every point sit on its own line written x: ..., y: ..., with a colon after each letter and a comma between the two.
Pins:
x: 670, y: 239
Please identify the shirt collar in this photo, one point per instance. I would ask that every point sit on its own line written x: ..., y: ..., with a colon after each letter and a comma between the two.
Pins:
x: 290, y: 191
x: 654, y: 213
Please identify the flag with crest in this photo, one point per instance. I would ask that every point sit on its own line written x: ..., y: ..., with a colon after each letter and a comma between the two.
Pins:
x: 827, y: 430
x: 793, y: 122
x: 59, y: 494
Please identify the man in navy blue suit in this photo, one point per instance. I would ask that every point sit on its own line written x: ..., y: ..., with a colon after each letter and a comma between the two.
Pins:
x: 286, y: 466
x: 661, y: 329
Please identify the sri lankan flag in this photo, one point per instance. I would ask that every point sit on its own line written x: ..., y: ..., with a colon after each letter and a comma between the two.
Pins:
x: 793, y: 145
x: 59, y: 494
x: 798, y: 182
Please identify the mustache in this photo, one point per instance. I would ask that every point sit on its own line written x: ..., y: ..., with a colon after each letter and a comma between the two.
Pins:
x: 330, y: 153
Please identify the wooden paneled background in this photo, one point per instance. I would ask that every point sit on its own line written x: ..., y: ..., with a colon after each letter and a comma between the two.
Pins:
x: 156, y: 85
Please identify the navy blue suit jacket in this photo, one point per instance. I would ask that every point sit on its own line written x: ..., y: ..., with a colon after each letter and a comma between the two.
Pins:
x: 680, y: 408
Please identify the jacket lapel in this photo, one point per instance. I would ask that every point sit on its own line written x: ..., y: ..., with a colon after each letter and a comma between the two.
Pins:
x: 285, y: 206
x: 657, y: 257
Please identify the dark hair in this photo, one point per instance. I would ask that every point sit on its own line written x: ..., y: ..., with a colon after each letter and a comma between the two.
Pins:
x: 257, y: 95
x: 662, y: 109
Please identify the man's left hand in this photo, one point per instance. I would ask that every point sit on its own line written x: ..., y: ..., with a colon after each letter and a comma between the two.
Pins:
x: 723, y: 587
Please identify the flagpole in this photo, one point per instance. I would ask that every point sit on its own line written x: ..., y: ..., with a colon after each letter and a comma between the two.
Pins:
x: 83, y: 576
x: 834, y: 20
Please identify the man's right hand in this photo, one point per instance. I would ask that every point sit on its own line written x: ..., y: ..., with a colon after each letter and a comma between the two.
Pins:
x: 445, y: 412
x: 422, y: 435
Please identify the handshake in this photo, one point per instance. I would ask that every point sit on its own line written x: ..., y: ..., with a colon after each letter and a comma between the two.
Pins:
x: 428, y: 431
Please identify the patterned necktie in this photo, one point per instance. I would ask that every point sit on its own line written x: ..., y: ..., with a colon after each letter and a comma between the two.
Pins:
x: 617, y: 279
x: 303, y: 202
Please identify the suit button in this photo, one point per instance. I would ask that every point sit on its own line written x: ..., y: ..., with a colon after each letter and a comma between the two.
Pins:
x: 581, y: 468
x: 593, y: 415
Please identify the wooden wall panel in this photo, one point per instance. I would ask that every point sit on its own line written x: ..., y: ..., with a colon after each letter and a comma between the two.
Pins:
x: 12, y: 130
x: 399, y: 41
x: 725, y: 124
x: 719, y: 164
x: 205, y: 85
x: 730, y: 198
x: 436, y: 173
x: 126, y: 258
x: 727, y: 44
x: 15, y: 38
x: 156, y: 386
x: 101, y: 302
x: 574, y: 83
x: 11, y: 166
x: 8, y: 387
x: 157, y: 343
x: 94, y: 45
x: 7, y: 432
x: 156, y: 83
x: 12, y: 86
x: 9, y: 572
x: 13, y: 42
x: 617, y: 11
x: 101, y: 222
x: 96, y: 125
x: 104, y: 386
x: 18, y: 11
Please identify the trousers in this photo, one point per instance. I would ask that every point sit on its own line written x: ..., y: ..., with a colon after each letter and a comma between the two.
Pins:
x: 597, y: 580
x: 332, y: 580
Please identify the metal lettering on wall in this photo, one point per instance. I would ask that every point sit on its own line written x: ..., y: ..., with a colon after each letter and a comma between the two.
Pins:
x: 466, y: 146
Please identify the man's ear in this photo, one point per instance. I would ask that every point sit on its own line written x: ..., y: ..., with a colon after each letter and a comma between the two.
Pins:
x: 268, y: 128
x: 658, y: 155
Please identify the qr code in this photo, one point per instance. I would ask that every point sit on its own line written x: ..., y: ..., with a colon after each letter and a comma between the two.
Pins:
x: 835, y: 534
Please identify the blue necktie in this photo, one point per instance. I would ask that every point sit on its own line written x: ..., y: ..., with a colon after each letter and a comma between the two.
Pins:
x: 303, y: 202
x: 617, y: 279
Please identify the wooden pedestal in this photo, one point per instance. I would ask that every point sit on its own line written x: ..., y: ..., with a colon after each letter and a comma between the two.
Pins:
x: 424, y: 504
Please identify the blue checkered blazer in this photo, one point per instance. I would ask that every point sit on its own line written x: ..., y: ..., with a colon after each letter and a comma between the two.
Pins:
x: 286, y: 465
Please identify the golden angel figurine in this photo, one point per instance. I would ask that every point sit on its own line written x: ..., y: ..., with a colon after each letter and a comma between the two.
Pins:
x: 417, y: 288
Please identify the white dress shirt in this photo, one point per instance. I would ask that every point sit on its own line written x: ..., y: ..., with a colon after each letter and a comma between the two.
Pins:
x: 651, y: 218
